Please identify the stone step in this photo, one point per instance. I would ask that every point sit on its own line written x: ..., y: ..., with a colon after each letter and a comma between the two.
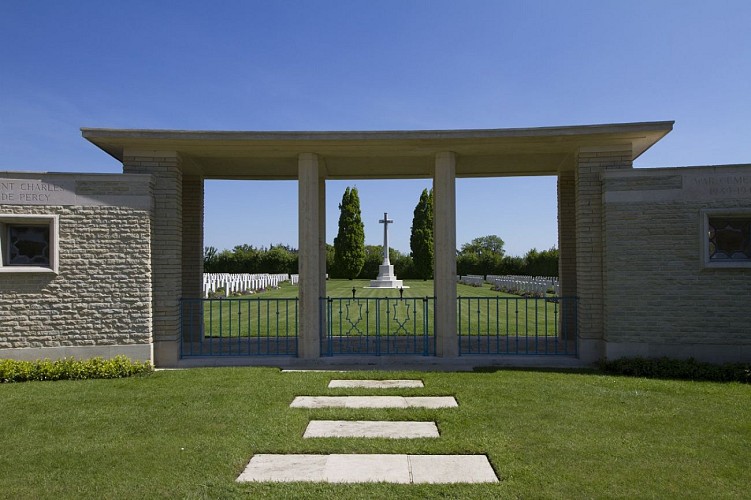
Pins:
x: 375, y: 384
x: 365, y: 468
x: 370, y: 429
x: 374, y: 402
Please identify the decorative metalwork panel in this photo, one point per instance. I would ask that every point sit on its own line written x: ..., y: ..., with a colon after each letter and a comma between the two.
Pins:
x: 28, y: 245
x: 378, y: 326
x: 729, y: 238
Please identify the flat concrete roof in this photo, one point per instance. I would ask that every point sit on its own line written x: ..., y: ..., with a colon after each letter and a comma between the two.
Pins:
x: 380, y: 154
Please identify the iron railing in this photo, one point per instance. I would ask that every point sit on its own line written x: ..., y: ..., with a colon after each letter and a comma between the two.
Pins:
x: 517, y: 325
x: 238, y: 327
x: 378, y: 326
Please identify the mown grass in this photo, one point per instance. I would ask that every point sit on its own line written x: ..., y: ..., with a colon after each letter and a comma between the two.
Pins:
x: 188, y: 434
x: 273, y: 312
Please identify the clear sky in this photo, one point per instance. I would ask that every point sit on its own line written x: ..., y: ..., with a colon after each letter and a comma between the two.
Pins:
x: 373, y: 65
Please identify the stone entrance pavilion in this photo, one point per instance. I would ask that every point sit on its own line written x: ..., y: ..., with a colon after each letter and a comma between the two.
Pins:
x: 633, y: 242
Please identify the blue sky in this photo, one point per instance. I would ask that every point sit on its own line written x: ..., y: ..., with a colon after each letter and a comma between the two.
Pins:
x: 365, y: 65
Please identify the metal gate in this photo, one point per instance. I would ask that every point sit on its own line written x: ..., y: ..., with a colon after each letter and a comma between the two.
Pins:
x: 378, y: 326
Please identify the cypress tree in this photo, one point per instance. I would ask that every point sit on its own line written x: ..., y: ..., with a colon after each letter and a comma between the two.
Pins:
x: 421, y: 238
x: 349, y: 244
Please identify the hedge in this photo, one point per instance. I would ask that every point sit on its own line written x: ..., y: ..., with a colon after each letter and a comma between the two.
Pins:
x: 71, y: 369
x: 682, y: 369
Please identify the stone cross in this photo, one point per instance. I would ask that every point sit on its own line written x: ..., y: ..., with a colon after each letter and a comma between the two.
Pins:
x: 386, y: 221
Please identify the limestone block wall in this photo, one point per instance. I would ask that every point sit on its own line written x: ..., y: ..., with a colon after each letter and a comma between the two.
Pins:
x: 99, y: 301
x: 661, y: 299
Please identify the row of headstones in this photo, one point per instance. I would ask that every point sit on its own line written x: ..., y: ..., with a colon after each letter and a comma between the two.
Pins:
x: 244, y: 282
x: 536, y: 286
x: 471, y: 279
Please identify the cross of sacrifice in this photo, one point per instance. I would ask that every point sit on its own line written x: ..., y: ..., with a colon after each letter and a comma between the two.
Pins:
x: 386, y: 221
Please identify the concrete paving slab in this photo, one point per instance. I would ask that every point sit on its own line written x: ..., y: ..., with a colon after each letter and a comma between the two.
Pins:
x: 431, y: 402
x: 348, y: 402
x: 451, y: 469
x: 368, y: 468
x: 371, y: 429
x: 375, y: 384
x: 373, y: 402
x: 285, y: 468
x: 291, y: 370
x: 363, y: 468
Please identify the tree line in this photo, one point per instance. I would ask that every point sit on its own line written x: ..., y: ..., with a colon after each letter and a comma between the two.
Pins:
x: 350, y: 258
x: 274, y: 259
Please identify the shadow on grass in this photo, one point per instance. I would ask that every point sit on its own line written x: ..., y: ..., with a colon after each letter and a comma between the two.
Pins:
x: 652, y: 368
x: 537, y: 369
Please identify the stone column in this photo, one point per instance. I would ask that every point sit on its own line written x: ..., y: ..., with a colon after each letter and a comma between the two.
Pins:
x: 590, y: 274
x: 444, y: 237
x: 567, y: 251
x: 322, y: 253
x: 310, y: 287
x: 166, y: 248
x: 192, y: 314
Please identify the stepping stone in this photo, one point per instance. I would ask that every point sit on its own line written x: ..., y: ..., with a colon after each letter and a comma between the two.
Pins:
x: 375, y: 384
x: 285, y: 468
x: 355, y: 468
x: 374, y: 402
x: 371, y: 429
x: 451, y: 469
x: 291, y: 370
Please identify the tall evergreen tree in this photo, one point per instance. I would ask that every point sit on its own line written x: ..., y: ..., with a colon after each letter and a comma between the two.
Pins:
x: 421, y: 239
x: 349, y: 244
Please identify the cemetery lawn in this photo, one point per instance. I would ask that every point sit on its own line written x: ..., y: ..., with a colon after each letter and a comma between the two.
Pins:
x: 189, y: 433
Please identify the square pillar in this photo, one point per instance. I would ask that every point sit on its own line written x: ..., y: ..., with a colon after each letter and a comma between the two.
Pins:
x: 590, y: 244
x: 567, y: 253
x: 311, y: 275
x: 192, y: 246
x: 166, y: 247
x: 323, y: 328
x: 444, y: 238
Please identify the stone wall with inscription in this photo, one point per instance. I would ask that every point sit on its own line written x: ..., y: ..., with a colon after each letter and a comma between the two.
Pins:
x: 660, y: 297
x: 99, y: 301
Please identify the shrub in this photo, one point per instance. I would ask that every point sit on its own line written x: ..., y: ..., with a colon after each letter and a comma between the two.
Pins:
x: 71, y: 369
x: 682, y: 369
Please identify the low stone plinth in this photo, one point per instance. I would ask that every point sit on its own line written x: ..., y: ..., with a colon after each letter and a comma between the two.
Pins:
x: 386, y: 278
